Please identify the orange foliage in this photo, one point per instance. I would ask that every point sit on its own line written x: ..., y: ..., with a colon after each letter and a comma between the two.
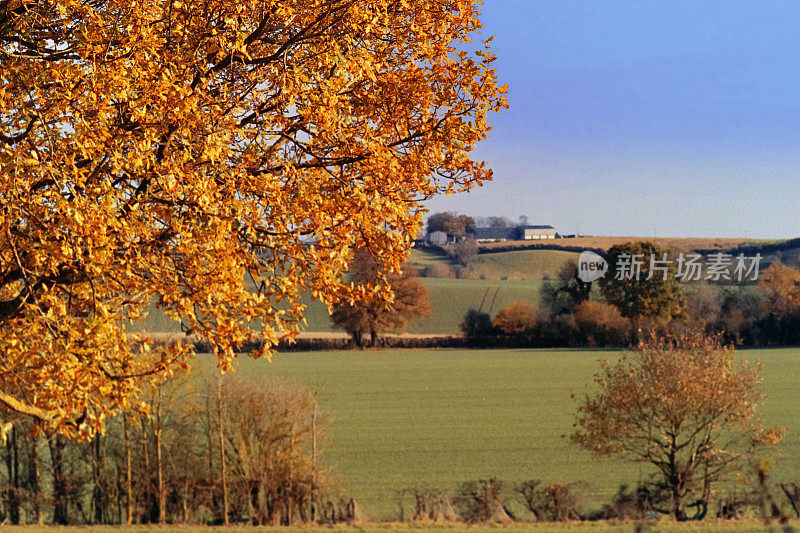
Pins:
x: 375, y: 315
x: 602, y: 323
x: 689, y: 410
x: 782, y: 287
x: 602, y: 315
x: 516, y: 318
x: 165, y: 151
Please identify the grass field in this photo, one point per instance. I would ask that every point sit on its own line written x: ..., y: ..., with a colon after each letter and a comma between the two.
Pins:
x: 450, y: 299
x: 419, y: 258
x: 434, y: 418
x: 523, y: 265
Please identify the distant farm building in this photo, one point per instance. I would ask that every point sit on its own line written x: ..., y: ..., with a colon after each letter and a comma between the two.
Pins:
x: 495, y: 234
x: 518, y: 233
x: 437, y: 238
x: 511, y: 233
x: 526, y: 233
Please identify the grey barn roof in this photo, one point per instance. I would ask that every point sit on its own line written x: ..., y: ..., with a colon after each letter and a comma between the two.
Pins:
x: 495, y: 233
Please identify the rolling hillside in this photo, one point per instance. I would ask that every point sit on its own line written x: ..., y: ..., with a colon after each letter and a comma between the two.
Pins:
x: 522, y: 265
x: 497, y: 279
x: 450, y: 299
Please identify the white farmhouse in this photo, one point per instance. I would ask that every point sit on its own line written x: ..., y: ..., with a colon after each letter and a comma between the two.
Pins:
x: 437, y: 238
x: 527, y: 233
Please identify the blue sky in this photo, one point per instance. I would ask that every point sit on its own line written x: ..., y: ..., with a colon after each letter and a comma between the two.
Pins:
x: 642, y: 119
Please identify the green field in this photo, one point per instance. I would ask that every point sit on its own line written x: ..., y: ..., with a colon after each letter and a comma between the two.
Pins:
x: 523, y: 265
x: 434, y: 418
x: 450, y: 299
x: 419, y: 258
x: 509, y: 277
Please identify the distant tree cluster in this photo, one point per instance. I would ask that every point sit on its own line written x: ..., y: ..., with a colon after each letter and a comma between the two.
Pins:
x: 460, y: 225
x: 761, y: 315
x: 620, y: 312
x: 450, y: 223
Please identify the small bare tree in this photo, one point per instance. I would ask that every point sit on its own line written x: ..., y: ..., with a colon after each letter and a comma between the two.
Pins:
x: 685, y: 406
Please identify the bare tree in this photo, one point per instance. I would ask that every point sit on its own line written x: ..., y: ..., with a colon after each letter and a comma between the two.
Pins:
x: 272, y: 431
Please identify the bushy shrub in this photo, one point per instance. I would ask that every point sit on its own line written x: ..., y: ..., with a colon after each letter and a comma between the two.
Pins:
x: 464, y: 251
x: 464, y: 272
x: 516, y: 319
x: 703, y: 305
x: 438, y: 270
x: 556, y: 331
x: 602, y: 324
x: 626, y: 504
x: 477, y: 325
x: 436, y: 505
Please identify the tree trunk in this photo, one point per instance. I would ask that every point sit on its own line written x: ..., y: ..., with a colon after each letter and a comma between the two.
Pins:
x: 97, y: 493
x: 252, y: 501
x: 148, y: 500
x: 186, y: 501
x: 12, y: 466
x: 35, y: 479
x: 210, y: 449
x: 162, y: 501
x: 60, y: 515
x: 313, y: 506
x: 357, y: 338
x: 120, y: 492
x: 128, y: 474
x: 677, y: 502
x: 223, y: 466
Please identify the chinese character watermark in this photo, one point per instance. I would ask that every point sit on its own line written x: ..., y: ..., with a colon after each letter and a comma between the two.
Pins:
x: 718, y: 267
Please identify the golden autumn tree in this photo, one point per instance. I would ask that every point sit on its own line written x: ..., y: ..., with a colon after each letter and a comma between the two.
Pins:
x: 516, y: 318
x: 376, y: 313
x: 688, y: 407
x: 167, y: 151
x: 781, y: 286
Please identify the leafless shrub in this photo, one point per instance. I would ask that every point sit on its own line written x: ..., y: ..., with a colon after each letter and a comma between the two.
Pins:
x: 627, y: 504
x: 552, y: 503
x: 792, y: 493
x: 484, y: 501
